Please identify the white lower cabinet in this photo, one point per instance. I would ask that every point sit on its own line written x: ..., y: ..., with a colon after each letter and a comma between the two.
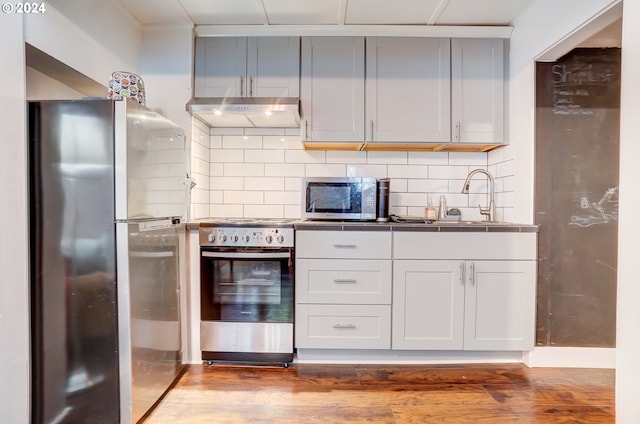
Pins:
x: 464, y: 291
x: 468, y: 305
x: 343, y: 290
x: 415, y: 291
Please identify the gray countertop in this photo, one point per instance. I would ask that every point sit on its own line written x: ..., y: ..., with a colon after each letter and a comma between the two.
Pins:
x: 437, y: 226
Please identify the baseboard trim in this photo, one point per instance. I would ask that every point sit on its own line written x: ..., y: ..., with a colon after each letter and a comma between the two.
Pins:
x: 570, y: 357
x: 388, y: 357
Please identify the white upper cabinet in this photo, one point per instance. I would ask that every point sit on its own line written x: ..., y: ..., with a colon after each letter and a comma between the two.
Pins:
x: 477, y: 90
x: 408, y: 90
x: 247, y: 67
x: 332, y: 88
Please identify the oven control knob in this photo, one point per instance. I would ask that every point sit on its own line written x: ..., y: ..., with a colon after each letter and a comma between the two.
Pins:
x: 268, y: 238
x: 246, y: 238
x: 223, y: 238
x: 234, y: 238
x: 280, y: 239
x: 211, y: 238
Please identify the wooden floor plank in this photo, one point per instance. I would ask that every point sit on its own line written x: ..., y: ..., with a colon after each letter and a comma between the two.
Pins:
x: 399, y: 394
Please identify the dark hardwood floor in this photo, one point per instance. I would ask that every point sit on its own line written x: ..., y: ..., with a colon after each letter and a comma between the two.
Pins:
x: 377, y: 394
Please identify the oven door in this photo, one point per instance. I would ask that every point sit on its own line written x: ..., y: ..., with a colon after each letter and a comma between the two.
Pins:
x: 247, y: 285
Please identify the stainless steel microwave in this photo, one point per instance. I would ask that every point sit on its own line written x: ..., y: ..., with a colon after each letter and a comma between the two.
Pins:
x: 336, y: 198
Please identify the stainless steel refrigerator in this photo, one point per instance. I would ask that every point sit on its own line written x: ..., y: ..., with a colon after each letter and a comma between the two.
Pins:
x: 108, y: 190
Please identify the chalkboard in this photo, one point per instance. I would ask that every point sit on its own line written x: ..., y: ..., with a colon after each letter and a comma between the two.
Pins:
x: 576, y: 197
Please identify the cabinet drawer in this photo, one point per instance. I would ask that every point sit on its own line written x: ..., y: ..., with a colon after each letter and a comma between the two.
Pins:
x: 343, y: 244
x: 343, y: 281
x: 464, y: 245
x: 343, y: 326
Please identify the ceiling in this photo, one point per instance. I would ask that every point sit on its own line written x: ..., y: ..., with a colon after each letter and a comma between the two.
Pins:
x: 272, y: 13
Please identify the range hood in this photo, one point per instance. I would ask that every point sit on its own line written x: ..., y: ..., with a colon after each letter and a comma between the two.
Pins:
x: 247, y: 112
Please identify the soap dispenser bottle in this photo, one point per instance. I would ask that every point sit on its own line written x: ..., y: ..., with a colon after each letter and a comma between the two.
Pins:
x: 442, y: 209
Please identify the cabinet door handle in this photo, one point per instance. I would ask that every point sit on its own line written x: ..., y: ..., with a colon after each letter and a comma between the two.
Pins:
x: 345, y: 280
x: 241, y: 86
x: 458, y: 129
x: 471, y: 273
x: 306, y: 129
x: 251, y: 86
x: 344, y: 326
x: 372, y: 130
x: 462, y: 269
x: 345, y: 246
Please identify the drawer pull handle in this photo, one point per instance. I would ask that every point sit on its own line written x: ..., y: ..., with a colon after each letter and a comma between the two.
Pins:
x: 345, y: 246
x: 345, y: 280
x: 344, y: 326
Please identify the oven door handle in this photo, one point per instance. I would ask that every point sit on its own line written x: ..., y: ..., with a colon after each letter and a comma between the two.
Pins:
x: 260, y: 255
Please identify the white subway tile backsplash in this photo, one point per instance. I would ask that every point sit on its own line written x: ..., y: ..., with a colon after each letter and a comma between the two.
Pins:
x: 408, y: 199
x: 305, y: 156
x: 428, y: 186
x: 408, y: 171
x: 342, y: 156
x: 226, y: 131
x: 227, y: 211
x: 284, y: 170
x: 505, y: 169
x: 448, y: 172
x: 244, y: 169
x: 226, y: 155
x: 265, y: 156
x: 291, y: 211
x: 377, y: 171
x: 216, y: 169
x: 476, y: 159
x: 428, y: 158
x: 241, y: 142
x: 216, y: 197
x: 226, y: 183
x: 264, y: 183
x: 257, y: 173
x: 399, y: 185
x: 244, y: 197
x: 264, y: 131
x: 282, y: 143
x: 264, y: 211
x: 215, y: 142
x: 387, y: 157
x: 293, y: 184
x: 325, y: 170
x: 282, y: 197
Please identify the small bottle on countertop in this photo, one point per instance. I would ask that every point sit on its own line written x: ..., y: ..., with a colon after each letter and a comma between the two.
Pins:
x: 442, y: 209
x: 430, y: 212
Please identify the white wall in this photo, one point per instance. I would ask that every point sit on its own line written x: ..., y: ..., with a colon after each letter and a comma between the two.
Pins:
x: 628, y: 334
x: 541, y: 25
x: 166, y: 68
x: 89, y: 36
x: 42, y: 87
x: 14, y: 291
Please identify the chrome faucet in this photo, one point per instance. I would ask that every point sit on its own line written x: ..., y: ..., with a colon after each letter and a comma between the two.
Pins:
x: 490, y: 211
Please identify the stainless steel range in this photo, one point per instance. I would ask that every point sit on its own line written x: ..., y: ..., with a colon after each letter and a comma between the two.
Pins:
x: 246, y: 285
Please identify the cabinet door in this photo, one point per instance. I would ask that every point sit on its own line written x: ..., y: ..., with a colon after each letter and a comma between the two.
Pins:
x: 428, y: 305
x: 273, y: 67
x: 332, y: 88
x: 500, y: 305
x: 477, y: 90
x: 408, y: 89
x: 220, y: 66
